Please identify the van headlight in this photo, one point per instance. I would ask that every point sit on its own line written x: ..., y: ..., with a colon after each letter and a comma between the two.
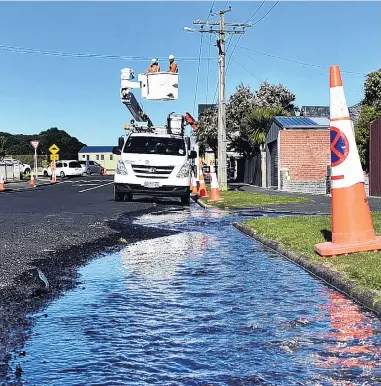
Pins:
x: 184, y: 171
x: 121, y: 168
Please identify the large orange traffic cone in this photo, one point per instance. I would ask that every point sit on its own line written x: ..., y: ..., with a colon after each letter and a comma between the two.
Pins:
x: 2, y: 187
x: 53, y: 179
x: 202, y: 192
x: 32, y: 181
x: 352, y: 227
x: 214, y: 188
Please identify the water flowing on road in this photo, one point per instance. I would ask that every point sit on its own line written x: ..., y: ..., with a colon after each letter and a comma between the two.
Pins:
x: 201, y: 304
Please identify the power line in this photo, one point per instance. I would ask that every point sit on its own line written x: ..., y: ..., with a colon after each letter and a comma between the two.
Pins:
x: 263, y: 2
x: 296, y: 61
x: 249, y: 71
x: 24, y: 50
x: 266, y: 13
x: 239, y: 38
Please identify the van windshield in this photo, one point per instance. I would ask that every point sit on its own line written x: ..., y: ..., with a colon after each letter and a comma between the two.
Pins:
x: 153, y: 145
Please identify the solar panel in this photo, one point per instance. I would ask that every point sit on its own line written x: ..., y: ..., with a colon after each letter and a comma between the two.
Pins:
x: 295, y: 121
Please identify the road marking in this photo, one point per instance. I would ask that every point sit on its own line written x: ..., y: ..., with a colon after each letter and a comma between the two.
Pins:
x: 95, y: 187
x: 87, y: 184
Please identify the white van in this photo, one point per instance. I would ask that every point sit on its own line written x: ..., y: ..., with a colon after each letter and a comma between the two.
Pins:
x: 153, y: 163
x: 67, y: 168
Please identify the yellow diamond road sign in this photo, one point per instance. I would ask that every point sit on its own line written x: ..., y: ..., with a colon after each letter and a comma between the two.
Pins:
x: 54, y: 149
x: 54, y: 157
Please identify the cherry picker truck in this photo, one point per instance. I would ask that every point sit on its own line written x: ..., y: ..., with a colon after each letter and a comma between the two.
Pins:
x: 153, y: 160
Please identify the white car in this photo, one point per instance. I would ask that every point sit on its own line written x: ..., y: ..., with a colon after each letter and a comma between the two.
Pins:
x: 67, y: 168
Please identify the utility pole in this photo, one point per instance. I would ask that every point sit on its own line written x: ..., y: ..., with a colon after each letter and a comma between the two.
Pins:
x: 222, y: 159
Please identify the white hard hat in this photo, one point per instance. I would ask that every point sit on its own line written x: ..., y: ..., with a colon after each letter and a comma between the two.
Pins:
x: 153, y: 60
x: 171, y: 57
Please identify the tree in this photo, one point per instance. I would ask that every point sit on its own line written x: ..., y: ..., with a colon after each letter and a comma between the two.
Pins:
x: 372, y: 90
x: 3, y: 142
x: 257, y: 124
x: 367, y: 115
x: 279, y: 95
x: 370, y: 110
x: 240, y: 103
x: 69, y: 146
x: 19, y: 144
x: 206, y: 133
x: 273, y: 99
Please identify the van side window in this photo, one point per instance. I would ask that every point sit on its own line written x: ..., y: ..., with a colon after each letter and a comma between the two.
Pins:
x: 59, y: 165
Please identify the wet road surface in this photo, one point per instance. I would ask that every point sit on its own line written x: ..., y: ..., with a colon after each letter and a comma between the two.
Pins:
x: 200, y: 305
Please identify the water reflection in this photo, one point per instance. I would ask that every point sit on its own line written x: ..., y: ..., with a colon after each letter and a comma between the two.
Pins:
x: 159, y: 259
x: 350, y: 347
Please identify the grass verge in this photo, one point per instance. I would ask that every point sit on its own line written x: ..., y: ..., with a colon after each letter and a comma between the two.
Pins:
x: 237, y: 199
x: 299, y: 234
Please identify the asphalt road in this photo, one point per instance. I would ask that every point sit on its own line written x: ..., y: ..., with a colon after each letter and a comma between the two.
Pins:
x: 55, y: 229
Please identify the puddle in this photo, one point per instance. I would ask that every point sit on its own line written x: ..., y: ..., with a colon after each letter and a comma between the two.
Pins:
x: 202, y: 305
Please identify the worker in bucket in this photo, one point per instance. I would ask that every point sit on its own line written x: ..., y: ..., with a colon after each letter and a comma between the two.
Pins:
x: 172, y: 64
x: 154, y: 66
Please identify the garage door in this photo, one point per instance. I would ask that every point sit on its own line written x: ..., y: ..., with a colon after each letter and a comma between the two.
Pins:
x: 273, y: 149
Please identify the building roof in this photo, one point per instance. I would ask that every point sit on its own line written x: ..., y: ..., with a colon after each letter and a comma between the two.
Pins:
x: 96, y: 149
x: 295, y: 122
x: 323, y: 111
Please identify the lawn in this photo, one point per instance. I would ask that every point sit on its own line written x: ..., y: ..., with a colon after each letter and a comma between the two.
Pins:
x: 237, y: 199
x: 301, y: 233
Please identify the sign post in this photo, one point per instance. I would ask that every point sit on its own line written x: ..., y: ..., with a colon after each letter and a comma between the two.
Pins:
x: 54, y: 156
x: 35, y: 146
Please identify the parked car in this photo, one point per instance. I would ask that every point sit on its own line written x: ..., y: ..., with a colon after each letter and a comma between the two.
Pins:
x: 91, y: 167
x: 66, y: 168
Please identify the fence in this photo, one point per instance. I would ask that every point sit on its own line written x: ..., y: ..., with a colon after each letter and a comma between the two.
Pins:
x: 253, y: 170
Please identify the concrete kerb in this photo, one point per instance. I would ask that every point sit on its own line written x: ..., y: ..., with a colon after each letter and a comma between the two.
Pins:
x: 366, y: 298
x: 202, y: 204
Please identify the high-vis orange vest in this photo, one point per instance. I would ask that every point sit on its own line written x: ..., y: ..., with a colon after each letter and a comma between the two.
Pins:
x: 173, y: 67
x: 154, y: 68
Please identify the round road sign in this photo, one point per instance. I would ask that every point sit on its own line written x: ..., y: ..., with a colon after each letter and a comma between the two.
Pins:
x: 339, y: 146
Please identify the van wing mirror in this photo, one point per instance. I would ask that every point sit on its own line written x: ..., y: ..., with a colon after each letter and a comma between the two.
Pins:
x: 120, y: 143
x: 116, y: 150
x: 193, y: 154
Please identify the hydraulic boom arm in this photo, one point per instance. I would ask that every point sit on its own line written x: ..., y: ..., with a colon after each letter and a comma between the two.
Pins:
x: 135, y: 109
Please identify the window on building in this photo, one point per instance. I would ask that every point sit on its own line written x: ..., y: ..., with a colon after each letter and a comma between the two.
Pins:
x: 83, y: 156
x: 97, y: 157
x: 102, y: 157
x: 111, y: 157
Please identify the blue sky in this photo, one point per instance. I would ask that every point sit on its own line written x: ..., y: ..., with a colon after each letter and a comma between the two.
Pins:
x: 81, y: 95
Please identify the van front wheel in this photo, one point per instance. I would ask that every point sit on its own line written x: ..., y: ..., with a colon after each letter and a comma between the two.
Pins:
x: 118, y: 196
x: 185, y: 200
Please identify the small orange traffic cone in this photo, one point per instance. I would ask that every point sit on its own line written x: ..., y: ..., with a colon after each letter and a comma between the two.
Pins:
x: 214, y: 188
x: 352, y: 227
x: 194, y: 185
x: 2, y: 187
x: 104, y: 172
x: 202, y: 192
x: 32, y: 181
